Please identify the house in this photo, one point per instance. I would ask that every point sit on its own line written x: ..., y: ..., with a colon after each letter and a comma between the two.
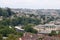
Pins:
x: 57, y: 22
x: 30, y: 36
x: 46, y: 28
x: 51, y: 38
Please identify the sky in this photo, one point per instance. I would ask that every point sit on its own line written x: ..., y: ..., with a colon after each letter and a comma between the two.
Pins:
x: 33, y: 4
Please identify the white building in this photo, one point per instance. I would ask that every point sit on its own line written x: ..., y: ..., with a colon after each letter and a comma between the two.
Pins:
x: 47, y: 28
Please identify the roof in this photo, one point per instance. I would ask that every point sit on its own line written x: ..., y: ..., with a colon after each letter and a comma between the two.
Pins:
x: 39, y: 26
x: 45, y: 31
x: 17, y: 27
x: 49, y: 24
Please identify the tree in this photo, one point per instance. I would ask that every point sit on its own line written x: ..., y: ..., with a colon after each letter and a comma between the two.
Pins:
x: 5, y: 22
x: 1, y: 37
x: 28, y: 28
x: 52, y: 33
x: 6, y: 12
x: 0, y: 11
x: 6, y: 31
x: 12, y: 37
x: 20, y: 34
x: 9, y: 11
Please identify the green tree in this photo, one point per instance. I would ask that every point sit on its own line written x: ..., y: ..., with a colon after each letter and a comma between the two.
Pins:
x: 9, y: 11
x: 12, y: 37
x: 0, y: 11
x: 6, y: 12
x: 29, y: 28
x: 52, y: 33
x: 6, y: 31
x: 20, y: 34
x: 1, y: 37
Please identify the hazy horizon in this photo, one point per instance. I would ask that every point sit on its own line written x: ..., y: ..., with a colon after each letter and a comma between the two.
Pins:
x: 31, y: 4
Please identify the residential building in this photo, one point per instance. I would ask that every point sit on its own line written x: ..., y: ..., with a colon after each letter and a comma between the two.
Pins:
x: 46, y: 28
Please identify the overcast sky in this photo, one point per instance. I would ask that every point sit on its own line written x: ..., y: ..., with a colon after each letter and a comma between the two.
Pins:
x: 34, y: 4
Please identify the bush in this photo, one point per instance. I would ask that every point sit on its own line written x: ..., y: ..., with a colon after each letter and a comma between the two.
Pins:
x: 53, y: 33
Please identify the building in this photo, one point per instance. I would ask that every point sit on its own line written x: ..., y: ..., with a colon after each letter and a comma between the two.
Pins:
x: 57, y: 22
x: 30, y: 36
x: 47, y: 28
